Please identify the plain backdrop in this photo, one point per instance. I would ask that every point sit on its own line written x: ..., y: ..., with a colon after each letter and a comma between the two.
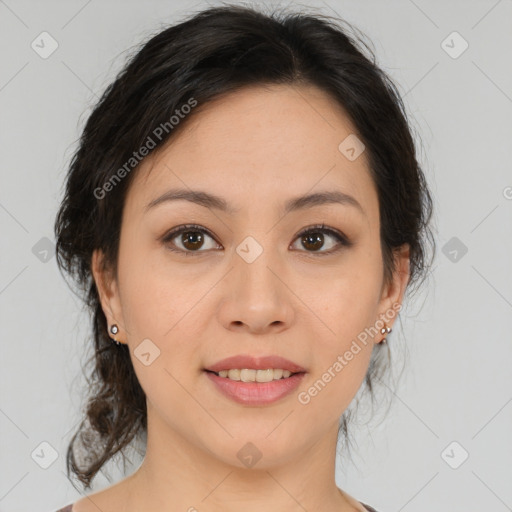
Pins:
x: 445, y: 445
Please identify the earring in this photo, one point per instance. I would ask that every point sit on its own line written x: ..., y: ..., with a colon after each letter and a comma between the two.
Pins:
x: 385, y: 330
x: 114, y: 330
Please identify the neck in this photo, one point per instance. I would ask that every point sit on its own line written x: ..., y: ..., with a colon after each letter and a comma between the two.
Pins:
x: 179, y: 475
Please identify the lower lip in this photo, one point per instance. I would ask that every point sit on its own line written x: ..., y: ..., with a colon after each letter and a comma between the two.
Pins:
x: 256, y: 393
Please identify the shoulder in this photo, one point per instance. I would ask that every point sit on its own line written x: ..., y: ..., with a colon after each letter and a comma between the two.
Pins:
x: 370, y: 509
x: 66, y: 509
x: 358, y: 505
x: 69, y: 508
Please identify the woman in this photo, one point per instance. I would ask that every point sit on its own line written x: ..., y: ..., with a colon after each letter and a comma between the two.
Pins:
x: 244, y: 215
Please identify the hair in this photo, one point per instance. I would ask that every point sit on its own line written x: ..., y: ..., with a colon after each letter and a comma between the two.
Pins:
x: 213, y: 53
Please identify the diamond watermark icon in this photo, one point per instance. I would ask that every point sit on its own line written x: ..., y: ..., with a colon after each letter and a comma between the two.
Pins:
x: 249, y: 249
x: 146, y: 352
x: 44, y: 249
x: 351, y: 147
x: 249, y: 455
x: 44, y: 455
x: 454, y: 45
x: 454, y: 455
x: 44, y: 45
x: 454, y: 249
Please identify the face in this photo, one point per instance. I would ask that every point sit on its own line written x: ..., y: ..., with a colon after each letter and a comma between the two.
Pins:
x: 254, y: 277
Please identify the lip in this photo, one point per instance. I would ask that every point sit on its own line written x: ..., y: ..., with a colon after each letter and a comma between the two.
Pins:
x: 255, y: 393
x: 243, y: 361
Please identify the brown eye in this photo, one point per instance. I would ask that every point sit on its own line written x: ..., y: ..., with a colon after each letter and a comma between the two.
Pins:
x: 189, y: 239
x: 313, y: 241
x: 314, y: 238
x: 192, y: 240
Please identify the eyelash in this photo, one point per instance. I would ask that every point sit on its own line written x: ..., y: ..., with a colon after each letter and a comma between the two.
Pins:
x: 319, y: 228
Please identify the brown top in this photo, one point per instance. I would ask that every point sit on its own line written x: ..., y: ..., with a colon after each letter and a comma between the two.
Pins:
x: 70, y: 507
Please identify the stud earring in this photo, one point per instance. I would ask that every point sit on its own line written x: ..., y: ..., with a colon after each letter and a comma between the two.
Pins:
x: 385, y: 330
x: 114, y: 330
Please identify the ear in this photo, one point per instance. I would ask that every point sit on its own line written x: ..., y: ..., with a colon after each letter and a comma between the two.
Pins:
x: 108, y: 292
x: 393, y: 292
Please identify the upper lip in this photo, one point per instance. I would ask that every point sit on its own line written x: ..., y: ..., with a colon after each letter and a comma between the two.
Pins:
x: 242, y: 361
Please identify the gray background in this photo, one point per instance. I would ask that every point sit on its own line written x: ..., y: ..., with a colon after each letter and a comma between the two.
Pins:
x: 457, y: 334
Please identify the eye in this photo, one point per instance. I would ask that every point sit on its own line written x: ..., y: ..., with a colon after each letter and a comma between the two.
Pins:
x: 190, y: 238
x: 314, y: 238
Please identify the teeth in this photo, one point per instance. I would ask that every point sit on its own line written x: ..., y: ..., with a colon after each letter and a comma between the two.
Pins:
x: 247, y: 375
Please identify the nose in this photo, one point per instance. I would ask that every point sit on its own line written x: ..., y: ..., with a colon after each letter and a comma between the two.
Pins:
x: 256, y: 298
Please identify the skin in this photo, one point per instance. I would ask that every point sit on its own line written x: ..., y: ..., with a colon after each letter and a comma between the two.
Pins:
x: 256, y: 148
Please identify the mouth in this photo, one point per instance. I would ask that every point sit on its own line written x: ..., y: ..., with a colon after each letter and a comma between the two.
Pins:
x: 255, y: 380
x: 253, y: 375
x: 251, y: 387
x: 255, y: 368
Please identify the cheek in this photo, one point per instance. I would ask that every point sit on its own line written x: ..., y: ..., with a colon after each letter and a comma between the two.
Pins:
x: 350, y: 305
x: 341, y: 358
x: 152, y: 299
x: 157, y: 312
x: 349, y: 310
x: 163, y: 305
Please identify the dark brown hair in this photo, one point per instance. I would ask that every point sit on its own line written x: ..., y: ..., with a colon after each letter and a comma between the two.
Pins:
x: 215, y: 52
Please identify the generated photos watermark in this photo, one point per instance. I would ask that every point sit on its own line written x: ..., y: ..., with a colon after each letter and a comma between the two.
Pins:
x: 304, y: 397
x: 150, y: 143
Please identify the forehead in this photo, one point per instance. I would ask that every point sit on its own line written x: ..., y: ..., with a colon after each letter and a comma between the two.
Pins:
x: 259, y: 143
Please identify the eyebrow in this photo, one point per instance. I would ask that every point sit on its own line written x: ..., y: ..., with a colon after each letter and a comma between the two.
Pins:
x: 218, y: 203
